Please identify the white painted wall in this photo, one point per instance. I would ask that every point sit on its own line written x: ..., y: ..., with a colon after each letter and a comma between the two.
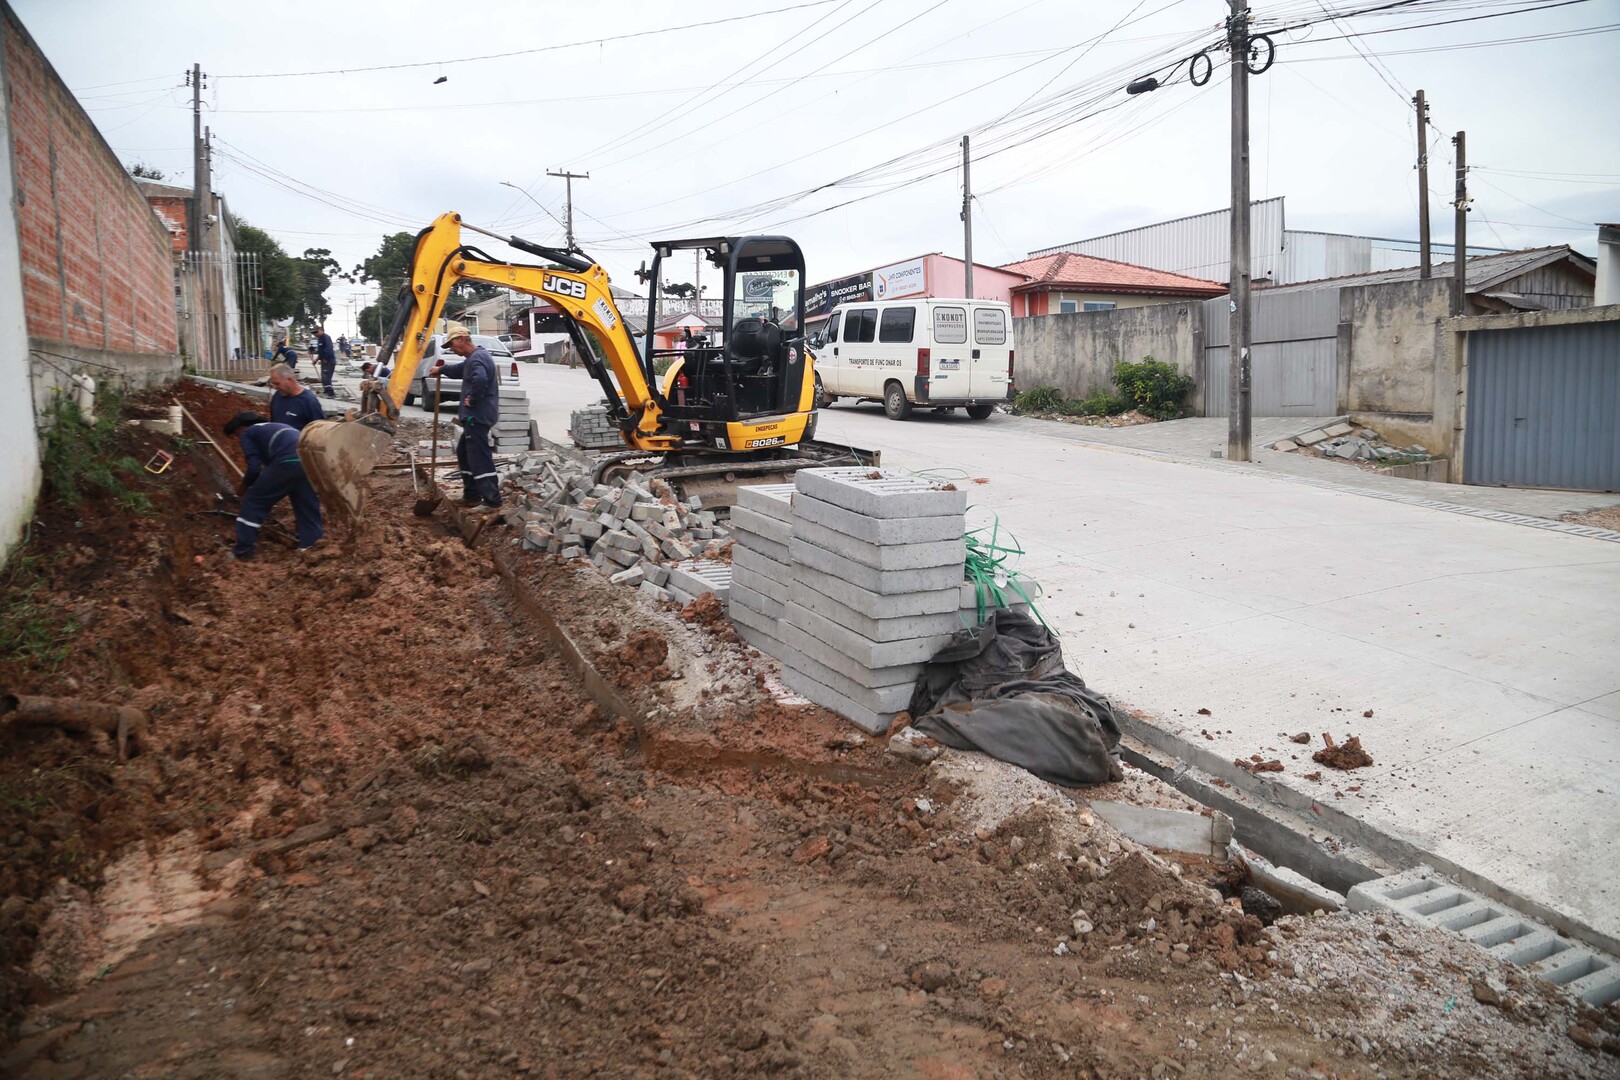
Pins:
x: 19, y: 440
x: 1608, y: 266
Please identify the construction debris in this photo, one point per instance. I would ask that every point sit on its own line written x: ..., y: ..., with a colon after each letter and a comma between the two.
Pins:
x: 1349, y: 444
x: 636, y: 529
x: 1348, y: 756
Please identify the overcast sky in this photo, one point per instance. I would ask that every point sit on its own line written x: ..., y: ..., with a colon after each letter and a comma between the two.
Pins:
x: 743, y: 125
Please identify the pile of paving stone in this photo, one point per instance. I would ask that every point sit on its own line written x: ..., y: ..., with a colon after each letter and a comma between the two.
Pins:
x: 1345, y: 441
x: 592, y: 429
x: 637, y: 530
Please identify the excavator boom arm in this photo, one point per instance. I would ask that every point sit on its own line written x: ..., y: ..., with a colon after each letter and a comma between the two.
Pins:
x: 441, y: 260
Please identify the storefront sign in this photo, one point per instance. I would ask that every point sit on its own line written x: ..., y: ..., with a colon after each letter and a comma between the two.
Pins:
x: 901, y: 279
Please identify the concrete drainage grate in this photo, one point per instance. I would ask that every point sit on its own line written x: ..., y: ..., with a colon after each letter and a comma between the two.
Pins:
x: 1423, y: 896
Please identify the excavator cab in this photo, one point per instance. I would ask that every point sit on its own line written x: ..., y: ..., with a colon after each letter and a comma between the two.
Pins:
x: 749, y: 363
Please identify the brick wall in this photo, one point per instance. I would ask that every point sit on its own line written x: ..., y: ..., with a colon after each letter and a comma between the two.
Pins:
x: 173, y: 211
x: 98, y: 281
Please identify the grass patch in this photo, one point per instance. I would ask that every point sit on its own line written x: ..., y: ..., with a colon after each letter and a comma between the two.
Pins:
x: 30, y: 629
x: 80, y: 459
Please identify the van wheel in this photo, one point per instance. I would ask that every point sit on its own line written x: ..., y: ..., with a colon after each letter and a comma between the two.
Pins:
x: 982, y: 410
x: 895, y: 405
x: 824, y: 400
x: 410, y: 398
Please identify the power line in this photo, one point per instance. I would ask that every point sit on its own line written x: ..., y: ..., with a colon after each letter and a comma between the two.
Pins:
x: 534, y: 51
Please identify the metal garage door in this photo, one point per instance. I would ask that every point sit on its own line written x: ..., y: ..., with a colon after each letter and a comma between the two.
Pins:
x: 1544, y: 407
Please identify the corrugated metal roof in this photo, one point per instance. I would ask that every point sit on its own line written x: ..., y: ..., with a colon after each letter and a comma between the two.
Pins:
x: 1484, y: 271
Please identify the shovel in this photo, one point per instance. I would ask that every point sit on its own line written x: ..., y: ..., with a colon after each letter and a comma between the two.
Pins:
x: 426, y: 503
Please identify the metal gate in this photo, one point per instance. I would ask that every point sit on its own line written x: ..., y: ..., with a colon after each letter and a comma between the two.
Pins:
x: 1293, y: 359
x: 1544, y: 407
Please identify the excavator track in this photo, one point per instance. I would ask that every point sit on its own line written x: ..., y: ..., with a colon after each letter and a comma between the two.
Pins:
x: 716, y: 481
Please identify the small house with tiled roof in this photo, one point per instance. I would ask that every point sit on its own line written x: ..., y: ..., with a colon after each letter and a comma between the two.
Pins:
x: 1066, y: 282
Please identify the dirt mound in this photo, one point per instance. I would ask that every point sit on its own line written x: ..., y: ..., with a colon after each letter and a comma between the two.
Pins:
x: 1348, y: 755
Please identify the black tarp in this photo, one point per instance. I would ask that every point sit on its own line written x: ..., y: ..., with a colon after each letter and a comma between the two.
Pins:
x: 1003, y: 690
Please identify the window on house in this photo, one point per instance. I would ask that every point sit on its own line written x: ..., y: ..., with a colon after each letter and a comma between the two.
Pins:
x: 897, y: 324
x: 1067, y: 307
x: 861, y: 326
x: 1099, y: 305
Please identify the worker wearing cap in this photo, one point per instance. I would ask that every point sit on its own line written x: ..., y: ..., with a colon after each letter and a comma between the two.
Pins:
x: 293, y: 403
x: 480, y: 410
x: 273, y: 473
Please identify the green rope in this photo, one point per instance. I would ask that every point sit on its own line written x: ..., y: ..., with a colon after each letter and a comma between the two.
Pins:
x: 989, y: 567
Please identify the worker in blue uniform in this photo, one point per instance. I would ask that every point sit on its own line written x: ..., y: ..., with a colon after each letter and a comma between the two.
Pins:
x: 292, y: 403
x: 480, y: 410
x: 273, y: 473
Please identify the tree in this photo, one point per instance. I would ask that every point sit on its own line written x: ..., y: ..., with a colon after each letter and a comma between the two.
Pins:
x: 142, y: 171
x: 316, y: 272
x: 271, y: 284
x: 389, y: 268
x: 681, y: 289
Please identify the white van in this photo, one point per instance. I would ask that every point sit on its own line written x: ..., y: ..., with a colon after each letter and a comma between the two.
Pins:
x: 924, y: 353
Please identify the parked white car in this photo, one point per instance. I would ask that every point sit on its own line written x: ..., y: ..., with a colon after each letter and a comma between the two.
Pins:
x: 924, y: 353
x: 451, y: 390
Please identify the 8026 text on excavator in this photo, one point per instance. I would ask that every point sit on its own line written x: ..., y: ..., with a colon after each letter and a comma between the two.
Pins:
x: 737, y: 410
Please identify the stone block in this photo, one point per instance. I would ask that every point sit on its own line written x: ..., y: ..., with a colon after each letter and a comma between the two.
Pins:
x: 646, y: 512
x: 914, y: 530
x: 680, y: 596
x: 895, y: 697
x: 873, y: 493
x: 883, y: 556
x: 622, y: 541
x: 656, y: 574
x: 747, y: 523
x: 748, y: 598
x: 674, y: 549
x: 853, y: 670
x: 651, y: 591
x: 743, y: 615
x: 572, y: 551
x: 761, y: 564
x: 1310, y: 438
x: 776, y: 588
x: 875, y: 722
x: 895, y: 629
x: 862, y: 649
x: 885, y: 582
x: 1285, y: 445
x: 701, y: 576
x: 770, y: 549
x: 871, y: 604
x: 1333, y: 431
x: 633, y: 576
x: 623, y: 558
x: 759, y: 639
x: 771, y: 500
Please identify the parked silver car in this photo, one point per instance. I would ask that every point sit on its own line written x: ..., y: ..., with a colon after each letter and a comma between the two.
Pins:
x: 450, y: 392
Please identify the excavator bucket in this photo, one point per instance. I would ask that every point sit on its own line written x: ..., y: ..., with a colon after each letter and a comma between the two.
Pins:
x: 337, y: 455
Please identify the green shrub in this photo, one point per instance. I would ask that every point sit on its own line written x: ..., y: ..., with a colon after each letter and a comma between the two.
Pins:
x: 31, y: 629
x: 1153, y: 387
x: 1099, y: 403
x: 1039, y: 399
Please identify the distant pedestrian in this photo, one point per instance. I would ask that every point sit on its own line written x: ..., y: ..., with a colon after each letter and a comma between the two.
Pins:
x: 343, y: 345
x: 292, y: 403
x: 328, y: 358
x: 273, y: 473
x: 479, y: 412
x: 285, y: 353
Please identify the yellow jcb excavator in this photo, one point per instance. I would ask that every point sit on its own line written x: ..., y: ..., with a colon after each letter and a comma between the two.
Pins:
x: 739, y: 409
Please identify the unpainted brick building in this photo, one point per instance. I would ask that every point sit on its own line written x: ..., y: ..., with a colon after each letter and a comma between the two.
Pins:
x: 96, y: 262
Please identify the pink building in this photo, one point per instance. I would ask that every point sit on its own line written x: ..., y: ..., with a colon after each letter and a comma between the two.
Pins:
x: 932, y: 275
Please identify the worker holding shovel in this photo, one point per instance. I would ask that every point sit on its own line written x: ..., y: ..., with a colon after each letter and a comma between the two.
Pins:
x: 273, y: 473
x: 480, y: 411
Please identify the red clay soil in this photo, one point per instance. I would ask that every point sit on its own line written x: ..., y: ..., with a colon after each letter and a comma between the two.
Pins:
x: 1347, y: 755
x: 453, y: 865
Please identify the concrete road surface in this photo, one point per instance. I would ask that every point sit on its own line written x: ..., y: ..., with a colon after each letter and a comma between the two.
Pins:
x: 1487, y: 653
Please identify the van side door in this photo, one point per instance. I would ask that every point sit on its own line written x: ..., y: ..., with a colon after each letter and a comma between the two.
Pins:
x: 829, y: 364
x: 859, y: 352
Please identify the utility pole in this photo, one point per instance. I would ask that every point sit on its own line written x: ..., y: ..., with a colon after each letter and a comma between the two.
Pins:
x: 199, y: 166
x: 967, y: 221
x: 569, y: 178
x: 1423, y: 183
x: 1239, y: 427
x: 1459, y: 258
